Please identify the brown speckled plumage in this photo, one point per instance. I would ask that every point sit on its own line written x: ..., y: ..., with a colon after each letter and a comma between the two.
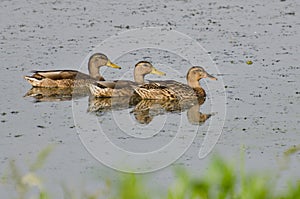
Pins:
x: 98, y: 90
x: 175, y: 90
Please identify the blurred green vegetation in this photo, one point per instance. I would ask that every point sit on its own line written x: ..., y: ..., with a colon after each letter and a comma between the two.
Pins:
x: 222, y: 180
x: 25, y: 182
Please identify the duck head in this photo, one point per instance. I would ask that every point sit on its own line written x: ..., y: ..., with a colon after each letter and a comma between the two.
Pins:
x: 96, y: 61
x: 195, y: 74
x: 143, y: 68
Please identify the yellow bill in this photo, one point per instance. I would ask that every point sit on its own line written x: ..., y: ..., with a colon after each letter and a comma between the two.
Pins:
x: 211, y: 77
x: 110, y: 64
x: 157, y: 72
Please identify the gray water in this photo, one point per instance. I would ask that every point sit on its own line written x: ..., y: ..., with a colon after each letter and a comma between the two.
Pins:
x: 262, y: 98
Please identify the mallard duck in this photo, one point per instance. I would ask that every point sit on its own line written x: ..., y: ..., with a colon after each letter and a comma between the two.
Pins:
x: 175, y: 90
x: 122, y: 88
x: 71, y: 78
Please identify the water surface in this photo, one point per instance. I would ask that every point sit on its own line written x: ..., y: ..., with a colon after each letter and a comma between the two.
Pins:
x: 262, y: 98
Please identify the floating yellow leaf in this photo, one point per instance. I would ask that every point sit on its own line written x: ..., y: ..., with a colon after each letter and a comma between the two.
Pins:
x: 249, y: 62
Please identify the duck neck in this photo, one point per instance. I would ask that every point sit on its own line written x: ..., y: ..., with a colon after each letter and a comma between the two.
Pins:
x: 194, y: 83
x: 138, y: 78
x: 94, y: 71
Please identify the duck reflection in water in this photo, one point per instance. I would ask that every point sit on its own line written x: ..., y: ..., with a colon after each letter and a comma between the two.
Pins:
x: 145, y: 111
x: 108, y: 104
x: 41, y: 94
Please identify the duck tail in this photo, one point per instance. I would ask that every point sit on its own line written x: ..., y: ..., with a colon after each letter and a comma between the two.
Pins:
x: 143, y: 93
x: 97, y: 91
x: 32, y: 80
x: 93, y: 89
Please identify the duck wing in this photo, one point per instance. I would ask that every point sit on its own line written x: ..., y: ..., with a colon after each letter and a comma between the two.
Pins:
x: 60, y: 74
x: 169, y: 89
x: 118, y: 84
x: 155, y: 90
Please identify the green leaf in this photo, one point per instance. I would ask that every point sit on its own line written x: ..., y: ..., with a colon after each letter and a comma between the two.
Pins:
x: 41, y: 159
